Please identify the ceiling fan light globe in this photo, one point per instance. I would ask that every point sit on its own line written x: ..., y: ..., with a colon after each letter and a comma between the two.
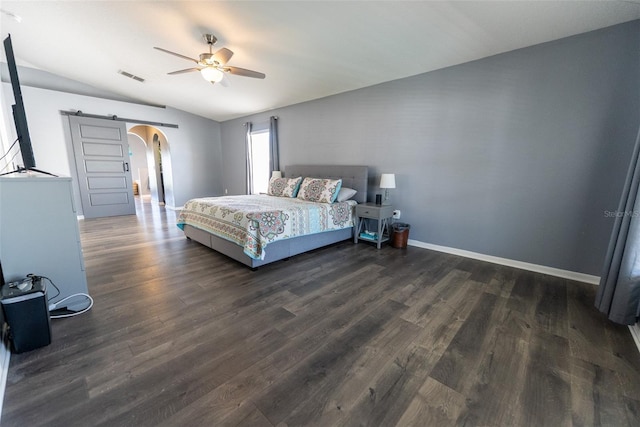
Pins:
x: 211, y: 74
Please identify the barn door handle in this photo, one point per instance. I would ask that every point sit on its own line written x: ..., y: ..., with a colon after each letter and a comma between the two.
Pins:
x: 125, y: 166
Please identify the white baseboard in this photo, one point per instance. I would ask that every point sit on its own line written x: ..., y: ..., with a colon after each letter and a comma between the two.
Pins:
x: 174, y: 208
x: 635, y: 333
x: 5, y: 356
x: 565, y: 274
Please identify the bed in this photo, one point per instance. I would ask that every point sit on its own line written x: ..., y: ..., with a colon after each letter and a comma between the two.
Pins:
x: 355, y: 177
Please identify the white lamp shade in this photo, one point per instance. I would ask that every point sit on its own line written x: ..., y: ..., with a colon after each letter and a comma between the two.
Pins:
x: 388, y: 180
x: 211, y: 74
x: 276, y: 174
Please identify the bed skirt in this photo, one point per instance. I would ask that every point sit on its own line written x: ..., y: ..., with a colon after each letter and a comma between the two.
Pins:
x: 275, y: 251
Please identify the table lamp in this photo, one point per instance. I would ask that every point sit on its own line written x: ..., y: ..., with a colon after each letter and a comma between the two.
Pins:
x: 387, y: 181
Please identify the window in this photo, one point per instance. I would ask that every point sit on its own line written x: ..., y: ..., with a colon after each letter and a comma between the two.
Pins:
x: 259, y: 161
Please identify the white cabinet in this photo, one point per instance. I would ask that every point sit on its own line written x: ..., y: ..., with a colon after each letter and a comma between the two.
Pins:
x: 39, y: 234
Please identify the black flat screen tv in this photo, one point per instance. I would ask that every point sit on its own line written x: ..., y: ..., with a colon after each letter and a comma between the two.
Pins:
x: 19, y: 116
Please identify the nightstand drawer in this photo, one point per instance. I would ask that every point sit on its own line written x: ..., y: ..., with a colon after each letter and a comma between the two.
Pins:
x: 366, y: 213
x: 377, y: 212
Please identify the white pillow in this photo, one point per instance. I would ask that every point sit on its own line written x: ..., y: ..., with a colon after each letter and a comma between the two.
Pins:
x: 345, y: 194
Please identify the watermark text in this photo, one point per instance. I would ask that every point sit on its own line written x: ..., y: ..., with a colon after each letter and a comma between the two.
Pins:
x: 620, y: 214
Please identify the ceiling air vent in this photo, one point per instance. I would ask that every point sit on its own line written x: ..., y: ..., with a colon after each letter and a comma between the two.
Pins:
x: 131, y: 76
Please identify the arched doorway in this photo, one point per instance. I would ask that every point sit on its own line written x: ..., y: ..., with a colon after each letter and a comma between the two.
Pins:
x: 155, y: 175
x: 139, y: 166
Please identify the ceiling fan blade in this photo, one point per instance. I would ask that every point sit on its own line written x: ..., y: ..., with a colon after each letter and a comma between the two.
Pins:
x: 244, y: 72
x: 225, y: 81
x: 187, y: 70
x: 176, y: 54
x: 223, y: 56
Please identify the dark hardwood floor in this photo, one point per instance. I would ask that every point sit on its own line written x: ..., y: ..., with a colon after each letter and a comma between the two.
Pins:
x: 345, y: 335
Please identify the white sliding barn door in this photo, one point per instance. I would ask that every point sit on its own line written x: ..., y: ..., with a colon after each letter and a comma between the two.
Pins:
x: 101, y: 153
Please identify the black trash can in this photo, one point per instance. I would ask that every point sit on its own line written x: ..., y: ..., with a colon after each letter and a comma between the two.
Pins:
x: 400, y: 234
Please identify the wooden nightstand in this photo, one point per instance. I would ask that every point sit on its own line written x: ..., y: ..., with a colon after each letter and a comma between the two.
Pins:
x: 382, y: 213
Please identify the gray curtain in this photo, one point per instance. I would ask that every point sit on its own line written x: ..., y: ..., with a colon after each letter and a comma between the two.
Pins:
x: 248, y: 146
x: 274, y: 160
x: 619, y: 292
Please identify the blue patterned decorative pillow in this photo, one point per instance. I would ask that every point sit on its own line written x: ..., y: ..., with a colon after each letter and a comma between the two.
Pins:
x: 291, y: 190
x: 319, y: 190
x: 284, y: 187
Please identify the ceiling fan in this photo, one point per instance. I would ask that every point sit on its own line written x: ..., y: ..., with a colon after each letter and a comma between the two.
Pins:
x: 212, y: 66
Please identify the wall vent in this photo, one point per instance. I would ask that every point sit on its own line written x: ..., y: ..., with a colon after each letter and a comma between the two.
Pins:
x: 131, y: 76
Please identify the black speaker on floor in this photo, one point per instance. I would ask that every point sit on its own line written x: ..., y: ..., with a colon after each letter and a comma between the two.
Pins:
x: 26, y: 311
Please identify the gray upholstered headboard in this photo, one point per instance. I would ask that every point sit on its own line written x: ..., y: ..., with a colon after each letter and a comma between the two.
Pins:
x: 356, y: 177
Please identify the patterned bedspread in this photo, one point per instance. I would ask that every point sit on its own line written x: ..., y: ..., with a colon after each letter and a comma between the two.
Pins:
x: 255, y: 221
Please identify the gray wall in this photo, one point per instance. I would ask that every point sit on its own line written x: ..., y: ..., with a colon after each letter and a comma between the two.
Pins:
x: 515, y: 156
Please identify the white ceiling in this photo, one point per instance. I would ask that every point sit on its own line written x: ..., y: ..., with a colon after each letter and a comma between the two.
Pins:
x: 308, y: 49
